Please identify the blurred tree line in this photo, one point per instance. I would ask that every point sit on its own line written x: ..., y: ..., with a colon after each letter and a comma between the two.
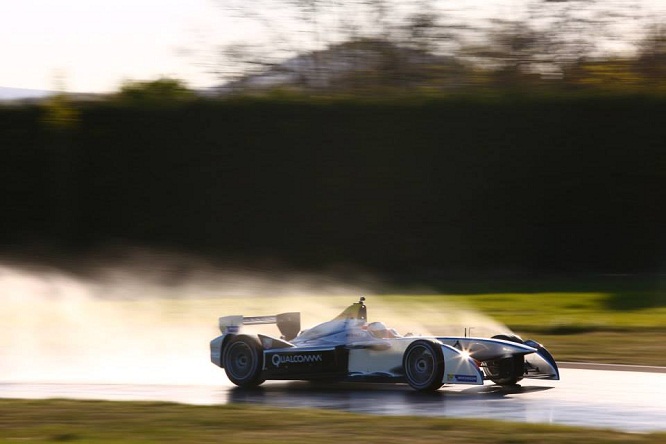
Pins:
x: 366, y: 46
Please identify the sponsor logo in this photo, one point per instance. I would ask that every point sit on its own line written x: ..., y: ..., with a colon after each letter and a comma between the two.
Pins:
x: 464, y: 378
x: 278, y: 360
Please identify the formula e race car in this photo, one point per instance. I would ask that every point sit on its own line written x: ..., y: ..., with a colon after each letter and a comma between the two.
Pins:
x: 348, y: 348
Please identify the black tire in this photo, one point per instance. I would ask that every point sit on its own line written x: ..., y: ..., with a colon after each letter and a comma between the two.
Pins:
x: 423, y: 363
x: 243, y: 361
x: 507, y: 371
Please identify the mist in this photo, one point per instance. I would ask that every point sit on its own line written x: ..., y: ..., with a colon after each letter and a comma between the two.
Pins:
x: 145, y: 321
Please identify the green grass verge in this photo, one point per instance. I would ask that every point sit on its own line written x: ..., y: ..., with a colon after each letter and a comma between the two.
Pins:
x: 632, y: 347
x: 144, y: 422
x: 554, y: 312
x: 607, y: 327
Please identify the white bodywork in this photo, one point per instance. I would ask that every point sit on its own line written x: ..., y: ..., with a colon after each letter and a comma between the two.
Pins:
x: 345, y: 348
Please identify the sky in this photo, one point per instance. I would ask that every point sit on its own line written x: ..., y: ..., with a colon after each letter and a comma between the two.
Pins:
x: 94, y: 46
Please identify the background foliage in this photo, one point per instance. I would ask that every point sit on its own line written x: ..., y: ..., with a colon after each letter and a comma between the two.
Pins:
x: 473, y: 183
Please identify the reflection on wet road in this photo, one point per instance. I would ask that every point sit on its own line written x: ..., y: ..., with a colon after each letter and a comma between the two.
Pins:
x: 631, y: 401
x: 391, y: 400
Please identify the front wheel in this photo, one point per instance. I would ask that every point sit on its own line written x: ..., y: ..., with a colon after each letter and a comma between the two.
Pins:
x: 242, y: 360
x: 506, y: 371
x: 423, y: 363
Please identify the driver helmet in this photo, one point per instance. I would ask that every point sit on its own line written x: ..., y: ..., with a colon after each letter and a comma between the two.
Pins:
x: 378, y: 330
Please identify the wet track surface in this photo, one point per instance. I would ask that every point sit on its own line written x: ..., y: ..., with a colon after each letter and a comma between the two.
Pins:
x: 623, y: 400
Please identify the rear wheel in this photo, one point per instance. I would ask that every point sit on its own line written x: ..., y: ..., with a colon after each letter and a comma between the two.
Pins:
x: 423, y: 362
x: 509, y: 370
x: 242, y: 360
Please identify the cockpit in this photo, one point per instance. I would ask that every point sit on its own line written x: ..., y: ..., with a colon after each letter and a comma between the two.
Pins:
x: 380, y: 330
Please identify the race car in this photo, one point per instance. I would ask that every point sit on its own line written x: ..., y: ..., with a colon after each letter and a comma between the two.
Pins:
x: 348, y: 348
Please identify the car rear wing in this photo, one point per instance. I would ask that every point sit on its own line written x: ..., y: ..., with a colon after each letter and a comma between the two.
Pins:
x: 289, y: 324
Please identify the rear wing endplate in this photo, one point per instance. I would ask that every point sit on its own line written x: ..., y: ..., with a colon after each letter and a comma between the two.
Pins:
x: 289, y: 324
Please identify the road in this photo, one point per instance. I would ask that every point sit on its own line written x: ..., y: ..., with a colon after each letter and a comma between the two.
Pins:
x: 623, y: 398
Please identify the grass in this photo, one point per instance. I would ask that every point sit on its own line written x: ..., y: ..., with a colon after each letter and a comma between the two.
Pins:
x: 145, y: 422
x: 574, y: 326
x: 635, y: 347
x: 549, y: 312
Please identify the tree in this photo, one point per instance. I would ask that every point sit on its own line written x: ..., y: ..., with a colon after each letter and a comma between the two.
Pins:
x: 652, y: 56
x: 156, y: 91
x: 313, y: 26
x: 544, y: 42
